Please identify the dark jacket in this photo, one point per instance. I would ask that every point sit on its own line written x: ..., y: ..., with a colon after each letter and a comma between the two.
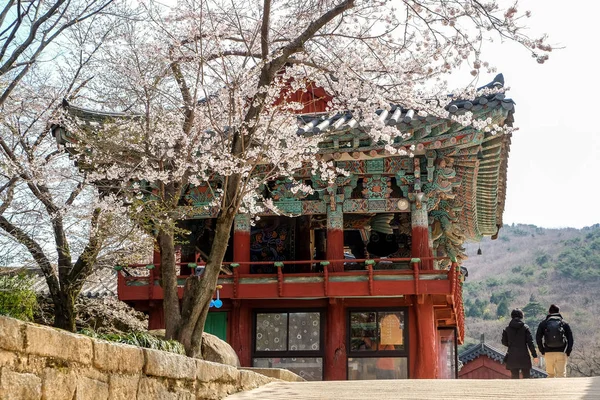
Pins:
x: 539, y: 336
x: 517, y: 337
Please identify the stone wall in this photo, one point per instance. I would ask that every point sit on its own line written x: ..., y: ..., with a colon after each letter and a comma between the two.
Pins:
x: 38, y: 362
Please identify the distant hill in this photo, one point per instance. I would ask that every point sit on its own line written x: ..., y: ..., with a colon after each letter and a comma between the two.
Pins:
x: 530, y: 268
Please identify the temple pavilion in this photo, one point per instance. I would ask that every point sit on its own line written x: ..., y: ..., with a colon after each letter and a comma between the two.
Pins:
x: 364, y: 281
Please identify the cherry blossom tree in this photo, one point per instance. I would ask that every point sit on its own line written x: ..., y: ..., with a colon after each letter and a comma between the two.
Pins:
x: 210, y: 91
x: 50, y: 213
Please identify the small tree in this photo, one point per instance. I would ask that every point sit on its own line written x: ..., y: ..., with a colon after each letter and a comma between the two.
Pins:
x: 502, y: 309
x: 17, y: 298
x: 213, y: 94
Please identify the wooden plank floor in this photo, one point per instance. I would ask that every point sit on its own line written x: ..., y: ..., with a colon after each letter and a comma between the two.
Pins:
x: 524, y: 389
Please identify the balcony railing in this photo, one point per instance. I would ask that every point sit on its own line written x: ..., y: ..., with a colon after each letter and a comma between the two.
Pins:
x: 360, y: 278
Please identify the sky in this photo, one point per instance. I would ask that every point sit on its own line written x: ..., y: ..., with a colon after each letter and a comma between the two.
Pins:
x: 554, y: 160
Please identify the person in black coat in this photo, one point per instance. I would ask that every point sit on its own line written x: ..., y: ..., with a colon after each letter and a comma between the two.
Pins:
x: 517, y: 337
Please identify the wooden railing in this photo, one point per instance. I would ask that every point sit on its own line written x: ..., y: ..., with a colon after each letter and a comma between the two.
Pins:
x: 375, y: 278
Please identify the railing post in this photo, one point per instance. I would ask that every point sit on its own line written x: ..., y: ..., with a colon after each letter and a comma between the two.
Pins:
x: 279, y: 266
x: 325, y: 265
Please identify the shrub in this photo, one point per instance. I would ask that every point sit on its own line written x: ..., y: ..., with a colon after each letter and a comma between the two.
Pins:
x: 17, y: 298
x: 517, y: 269
x: 493, y: 282
x: 529, y: 271
x: 542, y: 259
x: 139, y: 339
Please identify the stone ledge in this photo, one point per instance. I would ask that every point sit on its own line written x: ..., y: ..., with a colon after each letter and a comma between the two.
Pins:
x: 50, y: 342
x: 277, y: 373
x: 208, y: 371
x: 251, y: 380
x: 115, y: 357
x: 169, y: 365
x: 38, y: 362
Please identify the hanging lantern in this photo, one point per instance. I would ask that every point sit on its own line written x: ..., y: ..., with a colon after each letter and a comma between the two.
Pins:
x: 479, y: 251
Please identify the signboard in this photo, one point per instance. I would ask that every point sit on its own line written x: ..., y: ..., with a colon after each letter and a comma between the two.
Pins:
x: 391, y: 330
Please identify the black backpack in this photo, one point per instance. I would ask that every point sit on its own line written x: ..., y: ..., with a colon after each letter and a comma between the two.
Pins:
x: 554, y: 333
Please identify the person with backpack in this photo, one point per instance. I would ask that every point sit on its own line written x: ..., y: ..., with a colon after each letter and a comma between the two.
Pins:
x: 517, y: 337
x: 555, y: 341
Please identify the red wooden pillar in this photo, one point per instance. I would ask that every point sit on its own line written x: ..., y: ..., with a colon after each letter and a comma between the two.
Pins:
x: 156, y: 316
x: 241, y: 242
x: 335, y: 342
x: 241, y: 332
x: 421, y: 245
x: 335, y: 237
x: 427, y: 357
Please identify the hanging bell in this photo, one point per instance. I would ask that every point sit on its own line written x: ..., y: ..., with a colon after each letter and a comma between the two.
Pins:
x: 479, y: 251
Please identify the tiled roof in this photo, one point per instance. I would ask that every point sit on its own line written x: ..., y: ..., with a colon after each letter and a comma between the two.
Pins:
x: 102, y: 282
x: 404, y: 118
x: 484, y: 349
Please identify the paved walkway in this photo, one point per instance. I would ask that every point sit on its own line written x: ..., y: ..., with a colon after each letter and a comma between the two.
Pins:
x: 524, y: 389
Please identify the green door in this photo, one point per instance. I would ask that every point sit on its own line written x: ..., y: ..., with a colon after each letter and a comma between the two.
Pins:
x: 216, y: 324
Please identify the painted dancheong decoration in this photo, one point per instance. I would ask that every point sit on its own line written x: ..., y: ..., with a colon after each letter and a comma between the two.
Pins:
x: 360, y: 279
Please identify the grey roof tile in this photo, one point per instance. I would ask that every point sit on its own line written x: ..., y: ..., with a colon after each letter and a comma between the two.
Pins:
x: 484, y: 349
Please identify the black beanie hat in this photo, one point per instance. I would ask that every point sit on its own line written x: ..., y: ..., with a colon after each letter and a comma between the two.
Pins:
x: 553, y: 309
x: 516, y: 313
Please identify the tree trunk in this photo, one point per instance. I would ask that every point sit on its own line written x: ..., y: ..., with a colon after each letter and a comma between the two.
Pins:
x: 64, y: 310
x: 168, y: 270
x: 199, y: 291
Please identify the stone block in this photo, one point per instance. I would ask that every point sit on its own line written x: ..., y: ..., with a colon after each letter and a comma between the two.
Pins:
x: 91, y: 389
x: 7, y: 359
x: 151, y: 388
x: 11, y: 337
x: 17, y: 386
x: 58, y: 384
x: 50, y: 342
x: 118, y: 358
x: 210, y: 372
x: 169, y: 365
x: 251, y: 380
x: 277, y: 373
x: 123, y: 387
